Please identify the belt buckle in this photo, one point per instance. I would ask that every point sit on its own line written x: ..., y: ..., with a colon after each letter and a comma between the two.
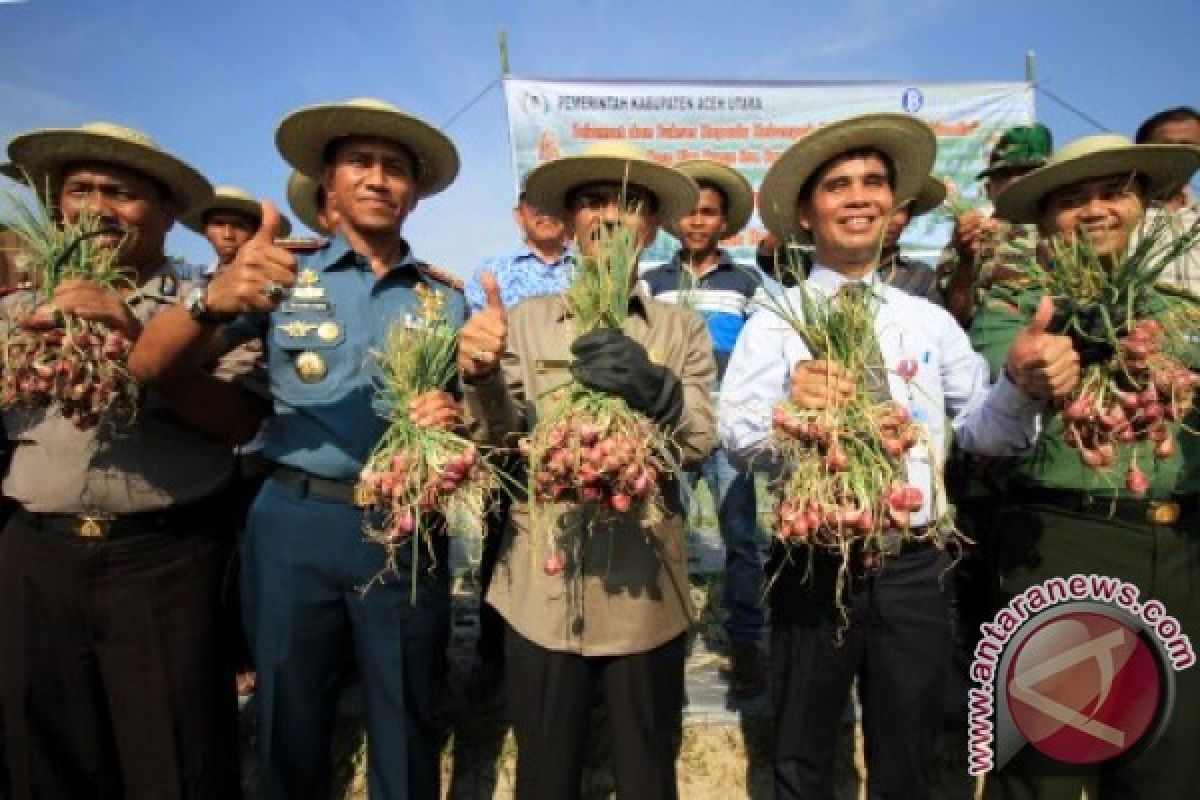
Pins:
x: 1162, y: 512
x: 90, y: 526
x: 363, y: 496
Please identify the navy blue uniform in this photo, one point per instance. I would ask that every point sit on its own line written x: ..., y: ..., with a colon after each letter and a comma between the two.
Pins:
x: 310, y: 579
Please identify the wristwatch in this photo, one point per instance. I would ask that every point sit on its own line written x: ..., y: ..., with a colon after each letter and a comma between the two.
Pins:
x: 197, y: 308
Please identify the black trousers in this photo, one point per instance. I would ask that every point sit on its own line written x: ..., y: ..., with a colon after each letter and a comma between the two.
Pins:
x: 116, y: 679
x: 490, y: 645
x: 549, y: 697
x: 897, y: 644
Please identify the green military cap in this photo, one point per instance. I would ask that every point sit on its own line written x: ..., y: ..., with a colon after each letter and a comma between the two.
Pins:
x: 1022, y: 147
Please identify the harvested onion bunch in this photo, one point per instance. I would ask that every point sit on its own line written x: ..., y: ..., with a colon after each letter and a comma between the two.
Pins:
x: 843, y: 477
x: 589, y: 449
x: 1134, y: 388
x: 417, y: 477
x: 57, y: 361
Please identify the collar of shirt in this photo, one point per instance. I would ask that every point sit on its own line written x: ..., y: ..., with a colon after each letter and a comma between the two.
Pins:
x: 638, y: 304
x: 339, y: 253
x: 724, y: 261
x: 527, y: 253
x: 828, y: 281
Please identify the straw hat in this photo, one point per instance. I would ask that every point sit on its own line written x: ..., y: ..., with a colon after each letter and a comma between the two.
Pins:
x: 907, y: 141
x: 11, y: 172
x: 737, y: 189
x: 303, y: 136
x: 547, y: 185
x: 932, y: 195
x: 44, y: 153
x: 231, y: 198
x: 1165, y: 167
x: 302, y: 198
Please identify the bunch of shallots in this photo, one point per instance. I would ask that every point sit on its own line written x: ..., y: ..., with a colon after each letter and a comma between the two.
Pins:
x: 1134, y: 390
x: 589, y: 449
x: 56, y: 361
x: 844, y: 479
x: 416, y: 476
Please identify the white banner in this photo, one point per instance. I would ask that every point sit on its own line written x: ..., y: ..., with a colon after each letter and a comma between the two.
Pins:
x: 748, y: 125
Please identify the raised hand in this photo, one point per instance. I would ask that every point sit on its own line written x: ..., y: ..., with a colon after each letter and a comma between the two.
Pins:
x: 1043, y: 364
x: 260, y: 274
x: 484, y: 337
x: 87, y: 300
x: 821, y: 384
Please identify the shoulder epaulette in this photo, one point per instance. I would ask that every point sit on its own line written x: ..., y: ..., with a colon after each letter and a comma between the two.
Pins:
x: 302, y: 245
x: 441, y: 274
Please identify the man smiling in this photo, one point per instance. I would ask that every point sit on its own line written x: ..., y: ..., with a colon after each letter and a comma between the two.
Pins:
x: 840, y: 186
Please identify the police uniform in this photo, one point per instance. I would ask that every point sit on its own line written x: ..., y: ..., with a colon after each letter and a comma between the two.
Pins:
x: 313, y: 587
x: 116, y: 677
x: 1058, y: 518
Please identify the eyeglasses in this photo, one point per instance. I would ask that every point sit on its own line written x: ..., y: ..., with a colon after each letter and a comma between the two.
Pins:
x: 598, y: 199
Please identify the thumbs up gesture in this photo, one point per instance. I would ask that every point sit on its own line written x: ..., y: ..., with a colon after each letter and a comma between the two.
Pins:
x: 483, y: 338
x: 260, y: 274
x: 1043, y: 364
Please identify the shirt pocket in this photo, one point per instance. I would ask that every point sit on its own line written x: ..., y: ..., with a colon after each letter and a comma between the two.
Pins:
x: 310, y: 358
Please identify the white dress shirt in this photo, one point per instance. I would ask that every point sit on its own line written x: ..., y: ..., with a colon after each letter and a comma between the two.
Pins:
x: 951, y: 380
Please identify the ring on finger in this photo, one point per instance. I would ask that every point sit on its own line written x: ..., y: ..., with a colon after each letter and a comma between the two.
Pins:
x: 273, y: 291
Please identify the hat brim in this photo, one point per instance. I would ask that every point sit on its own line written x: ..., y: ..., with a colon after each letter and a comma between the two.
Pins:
x: 738, y: 191
x: 907, y: 141
x: 996, y: 169
x: 547, y: 185
x: 303, y: 136
x: 302, y: 198
x: 1165, y: 168
x: 43, y: 155
x: 194, y: 220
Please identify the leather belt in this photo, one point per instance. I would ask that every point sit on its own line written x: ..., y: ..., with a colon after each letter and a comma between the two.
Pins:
x: 101, y: 526
x: 309, y: 485
x: 1132, y: 509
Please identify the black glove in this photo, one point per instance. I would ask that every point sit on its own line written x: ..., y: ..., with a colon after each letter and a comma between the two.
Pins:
x: 609, y: 361
x: 1090, y: 334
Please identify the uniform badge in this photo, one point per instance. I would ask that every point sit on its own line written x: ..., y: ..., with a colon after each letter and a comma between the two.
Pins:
x: 308, y: 292
x: 307, y: 277
x: 310, y: 366
x: 328, y: 331
x: 297, y: 329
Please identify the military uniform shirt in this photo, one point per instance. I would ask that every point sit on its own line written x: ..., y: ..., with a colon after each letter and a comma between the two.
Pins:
x: 155, y: 463
x: 320, y: 349
x: 1053, y: 464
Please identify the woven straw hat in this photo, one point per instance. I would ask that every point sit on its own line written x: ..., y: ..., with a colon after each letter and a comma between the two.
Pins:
x: 303, y: 136
x: 547, y: 185
x: 44, y: 153
x: 907, y: 141
x: 1164, y: 167
x: 302, y: 199
x: 230, y: 198
x: 737, y: 189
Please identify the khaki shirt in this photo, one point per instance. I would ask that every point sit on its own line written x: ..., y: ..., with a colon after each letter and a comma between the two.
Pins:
x: 154, y: 463
x: 630, y: 593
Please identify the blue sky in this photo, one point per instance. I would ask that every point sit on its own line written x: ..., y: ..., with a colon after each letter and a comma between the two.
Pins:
x: 210, y: 81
